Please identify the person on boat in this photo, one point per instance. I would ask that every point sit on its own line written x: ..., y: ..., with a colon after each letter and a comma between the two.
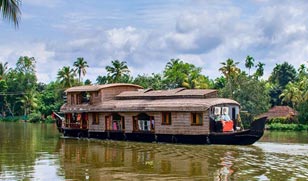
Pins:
x: 225, y: 117
x: 218, y: 123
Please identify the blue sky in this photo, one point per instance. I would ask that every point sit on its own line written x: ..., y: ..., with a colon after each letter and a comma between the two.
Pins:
x: 147, y: 34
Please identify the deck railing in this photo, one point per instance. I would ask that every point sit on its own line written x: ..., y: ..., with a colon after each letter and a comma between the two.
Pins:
x: 76, y: 125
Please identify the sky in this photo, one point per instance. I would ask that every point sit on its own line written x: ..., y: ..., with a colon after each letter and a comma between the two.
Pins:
x: 147, y: 34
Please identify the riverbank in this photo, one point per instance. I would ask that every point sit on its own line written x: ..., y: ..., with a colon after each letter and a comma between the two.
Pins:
x: 286, y: 127
x: 31, y: 119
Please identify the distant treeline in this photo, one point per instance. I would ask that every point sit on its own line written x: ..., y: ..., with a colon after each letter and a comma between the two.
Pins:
x: 22, y: 95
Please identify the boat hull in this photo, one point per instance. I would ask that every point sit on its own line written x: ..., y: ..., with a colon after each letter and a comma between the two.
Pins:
x: 234, y: 138
x: 245, y: 137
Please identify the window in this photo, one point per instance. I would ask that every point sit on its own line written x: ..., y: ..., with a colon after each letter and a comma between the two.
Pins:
x: 72, y: 99
x: 166, y: 118
x: 143, y: 122
x: 196, y: 118
x: 115, y: 122
x: 95, y: 117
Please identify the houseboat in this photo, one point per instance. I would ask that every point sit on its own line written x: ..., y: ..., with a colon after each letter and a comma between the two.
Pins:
x: 129, y: 112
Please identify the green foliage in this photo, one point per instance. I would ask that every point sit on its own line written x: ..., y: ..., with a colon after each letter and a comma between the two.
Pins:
x: 180, y: 74
x: 250, y: 93
x: 260, y: 70
x: 220, y: 82
x: 249, y: 63
x: 81, y: 66
x: 153, y: 81
x: 66, y: 76
x: 303, y: 113
x: 287, y: 127
x: 49, y: 119
x: 51, y: 98
x: 282, y: 120
x: 282, y: 74
x: 35, y: 117
x: 11, y: 118
x: 246, y: 118
x: 87, y: 82
x: 10, y: 10
x: 118, y: 72
x: 102, y: 80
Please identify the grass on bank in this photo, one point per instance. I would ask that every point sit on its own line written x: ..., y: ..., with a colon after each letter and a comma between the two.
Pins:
x: 286, y: 127
x: 32, y: 118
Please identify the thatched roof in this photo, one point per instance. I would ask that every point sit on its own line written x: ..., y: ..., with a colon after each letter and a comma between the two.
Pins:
x: 279, y: 111
x: 91, y: 88
x: 146, y: 105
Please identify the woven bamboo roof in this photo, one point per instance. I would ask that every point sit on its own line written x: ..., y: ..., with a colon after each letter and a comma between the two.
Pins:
x: 91, y: 88
x: 179, y: 93
x: 143, y: 105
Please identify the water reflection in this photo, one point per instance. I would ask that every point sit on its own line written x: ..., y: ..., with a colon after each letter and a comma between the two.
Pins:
x: 35, y: 152
x: 129, y: 160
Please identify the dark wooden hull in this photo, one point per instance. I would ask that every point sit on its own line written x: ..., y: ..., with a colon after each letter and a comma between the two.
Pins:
x: 246, y: 137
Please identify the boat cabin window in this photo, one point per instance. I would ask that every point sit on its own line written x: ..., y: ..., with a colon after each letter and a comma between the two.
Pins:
x: 76, y: 120
x: 143, y: 122
x: 115, y: 122
x: 95, y: 118
x: 196, y: 118
x: 166, y: 118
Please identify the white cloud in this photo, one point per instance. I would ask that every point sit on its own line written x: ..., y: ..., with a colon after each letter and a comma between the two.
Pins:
x: 202, y: 33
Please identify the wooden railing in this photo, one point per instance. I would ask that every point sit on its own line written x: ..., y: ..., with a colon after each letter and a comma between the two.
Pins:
x: 76, y: 125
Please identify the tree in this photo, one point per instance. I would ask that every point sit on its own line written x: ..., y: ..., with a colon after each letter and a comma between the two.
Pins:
x: 281, y: 75
x: 117, y: 71
x: 260, y: 70
x: 3, y: 91
x: 251, y: 93
x: 10, y: 10
x: 230, y: 71
x: 229, y: 68
x: 50, y: 98
x: 102, y: 80
x: 26, y: 65
x: 66, y: 76
x: 87, y: 82
x: 81, y: 66
x: 153, y: 81
x: 3, y: 69
x: 180, y: 74
x: 291, y: 94
x: 249, y: 63
x: 29, y: 101
x: 220, y: 82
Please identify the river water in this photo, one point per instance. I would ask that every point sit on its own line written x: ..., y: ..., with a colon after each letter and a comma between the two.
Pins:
x: 37, y: 152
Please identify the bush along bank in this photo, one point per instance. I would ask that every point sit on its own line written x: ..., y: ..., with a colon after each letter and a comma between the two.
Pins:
x: 286, y: 127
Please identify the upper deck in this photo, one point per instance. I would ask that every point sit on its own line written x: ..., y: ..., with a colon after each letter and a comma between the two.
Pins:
x: 131, y: 98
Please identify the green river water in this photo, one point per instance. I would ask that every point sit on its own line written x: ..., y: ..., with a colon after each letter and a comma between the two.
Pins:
x: 37, y: 152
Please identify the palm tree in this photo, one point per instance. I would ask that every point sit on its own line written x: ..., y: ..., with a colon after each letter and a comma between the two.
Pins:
x: 249, y: 63
x: 3, y: 69
x: 172, y: 63
x: 260, y: 69
x: 81, y: 66
x: 291, y: 94
x: 229, y: 68
x: 230, y: 71
x: 66, y: 76
x: 117, y: 70
x: 29, y: 101
x: 10, y: 10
